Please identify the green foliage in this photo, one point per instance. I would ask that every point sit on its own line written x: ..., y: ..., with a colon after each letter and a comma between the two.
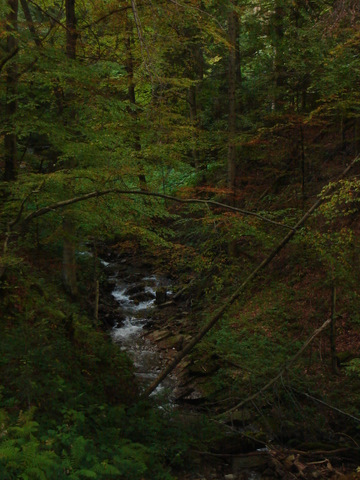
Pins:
x: 353, y: 368
x: 80, y: 128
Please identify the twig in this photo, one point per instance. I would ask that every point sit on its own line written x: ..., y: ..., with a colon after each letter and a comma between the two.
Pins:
x: 348, y: 436
x: 54, y: 19
x: 8, y: 57
x: 106, y: 15
x: 283, y: 370
x: 328, y: 405
x: 310, y: 453
x: 194, y: 7
x: 234, y: 455
x: 319, y: 462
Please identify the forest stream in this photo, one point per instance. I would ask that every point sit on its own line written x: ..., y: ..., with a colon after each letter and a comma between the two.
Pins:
x: 139, y: 298
x: 136, y: 299
x: 136, y: 292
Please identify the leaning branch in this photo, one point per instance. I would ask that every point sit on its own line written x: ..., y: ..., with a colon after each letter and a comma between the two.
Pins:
x: 216, y: 317
x: 283, y: 370
x: 314, y: 399
x: 8, y: 57
x: 30, y: 23
x: 54, y: 19
x: 71, y: 201
x: 106, y: 15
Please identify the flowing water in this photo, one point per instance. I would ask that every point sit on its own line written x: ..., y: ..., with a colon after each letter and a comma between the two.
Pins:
x: 136, y: 297
x: 136, y: 300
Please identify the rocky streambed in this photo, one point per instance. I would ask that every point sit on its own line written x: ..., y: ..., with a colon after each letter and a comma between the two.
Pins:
x: 146, y: 319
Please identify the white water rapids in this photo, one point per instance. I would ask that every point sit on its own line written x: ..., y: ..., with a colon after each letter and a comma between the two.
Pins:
x: 130, y: 333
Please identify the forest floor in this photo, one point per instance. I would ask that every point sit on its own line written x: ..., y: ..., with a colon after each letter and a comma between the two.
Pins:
x: 241, y: 455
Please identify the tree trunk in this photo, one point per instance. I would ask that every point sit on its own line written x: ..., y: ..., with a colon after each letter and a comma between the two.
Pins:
x: 30, y: 23
x: 334, y: 365
x: 69, y: 262
x: 197, y: 73
x: 132, y: 99
x: 10, y: 140
x: 233, y: 74
x: 71, y: 33
x: 193, y: 120
x: 278, y: 61
x: 69, y: 258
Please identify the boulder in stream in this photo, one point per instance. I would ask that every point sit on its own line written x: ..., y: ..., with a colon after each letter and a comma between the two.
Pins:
x: 135, y: 289
x: 161, y: 295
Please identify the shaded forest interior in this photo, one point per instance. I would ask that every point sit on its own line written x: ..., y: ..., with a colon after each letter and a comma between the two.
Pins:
x: 214, y: 143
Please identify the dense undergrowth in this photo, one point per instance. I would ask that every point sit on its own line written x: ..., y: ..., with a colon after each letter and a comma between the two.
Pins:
x: 252, y: 104
x: 69, y: 402
x: 272, y: 320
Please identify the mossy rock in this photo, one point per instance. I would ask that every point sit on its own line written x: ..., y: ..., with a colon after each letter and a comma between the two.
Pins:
x: 243, y: 416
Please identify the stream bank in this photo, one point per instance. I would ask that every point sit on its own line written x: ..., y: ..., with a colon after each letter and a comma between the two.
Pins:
x: 151, y: 323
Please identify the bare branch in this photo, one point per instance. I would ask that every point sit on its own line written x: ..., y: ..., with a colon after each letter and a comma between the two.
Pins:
x: 283, y: 370
x: 329, y: 406
x: 8, y: 57
x: 103, y: 17
x: 194, y: 7
x: 54, y: 19
x: 71, y: 201
x: 30, y: 22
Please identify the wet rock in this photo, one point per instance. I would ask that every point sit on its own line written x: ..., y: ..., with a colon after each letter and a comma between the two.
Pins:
x: 204, y: 367
x: 174, y: 341
x: 159, y: 335
x: 189, y: 394
x: 135, y: 289
x: 142, y: 297
x: 108, y: 286
x: 109, y: 320
x: 161, y: 296
x: 133, y: 277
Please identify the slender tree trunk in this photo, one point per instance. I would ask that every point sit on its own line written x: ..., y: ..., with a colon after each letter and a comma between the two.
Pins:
x: 357, y: 136
x: 69, y: 257
x: 132, y: 98
x: 10, y: 140
x: 233, y: 68
x: 30, y: 23
x: 69, y: 263
x: 71, y: 33
x: 233, y: 77
x: 302, y: 156
x: 334, y: 365
x: 278, y: 48
x: 96, y: 285
x: 197, y: 73
x: 193, y: 120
